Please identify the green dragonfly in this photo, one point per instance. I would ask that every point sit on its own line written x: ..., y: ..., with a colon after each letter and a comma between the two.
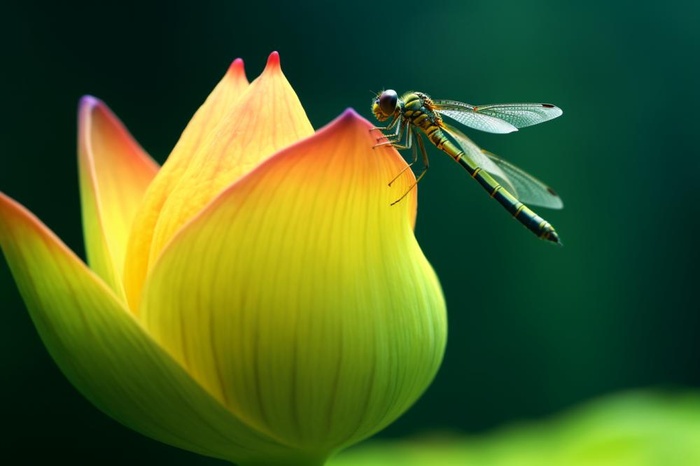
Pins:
x: 504, y: 182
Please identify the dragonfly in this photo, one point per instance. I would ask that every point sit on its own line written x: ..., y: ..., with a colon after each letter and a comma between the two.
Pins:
x: 415, y: 114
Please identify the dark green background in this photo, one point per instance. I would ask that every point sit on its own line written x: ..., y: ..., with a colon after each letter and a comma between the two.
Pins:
x: 534, y: 328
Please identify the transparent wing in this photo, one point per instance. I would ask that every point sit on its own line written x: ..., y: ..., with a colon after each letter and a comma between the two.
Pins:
x: 529, y: 189
x: 497, y: 118
x: 468, y: 117
x: 481, y: 158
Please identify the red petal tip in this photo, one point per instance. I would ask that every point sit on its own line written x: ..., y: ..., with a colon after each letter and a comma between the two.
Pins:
x: 273, y: 61
x: 236, y: 65
x: 236, y: 68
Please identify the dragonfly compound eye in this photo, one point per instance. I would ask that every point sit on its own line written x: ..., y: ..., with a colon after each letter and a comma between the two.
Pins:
x: 388, y: 100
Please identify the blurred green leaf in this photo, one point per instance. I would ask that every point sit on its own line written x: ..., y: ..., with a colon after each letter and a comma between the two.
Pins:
x: 632, y: 429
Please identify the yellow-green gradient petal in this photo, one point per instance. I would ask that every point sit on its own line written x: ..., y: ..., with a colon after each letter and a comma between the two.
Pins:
x: 114, y: 175
x: 265, y: 118
x: 104, y: 352
x: 300, y: 298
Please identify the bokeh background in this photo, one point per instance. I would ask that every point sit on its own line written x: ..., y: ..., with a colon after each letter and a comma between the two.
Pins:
x: 534, y: 329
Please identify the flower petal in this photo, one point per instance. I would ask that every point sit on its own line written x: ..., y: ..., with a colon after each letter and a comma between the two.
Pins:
x: 265, y: 118
x: 299, y: 297
x: 104, y: 352
x: 208, y: 116
x: 114, y: 175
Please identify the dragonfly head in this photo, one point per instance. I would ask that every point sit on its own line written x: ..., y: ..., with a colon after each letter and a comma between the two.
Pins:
x: 385, y: 104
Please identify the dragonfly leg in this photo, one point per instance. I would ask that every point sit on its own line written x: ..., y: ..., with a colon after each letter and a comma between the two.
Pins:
x: 424, y: 154
x: 407, y: 144
x: 426, y: 164
x: 390, y: 138
x: 393, y: 138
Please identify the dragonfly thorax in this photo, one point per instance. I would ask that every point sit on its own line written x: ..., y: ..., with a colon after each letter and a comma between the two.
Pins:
x: 420, y: 109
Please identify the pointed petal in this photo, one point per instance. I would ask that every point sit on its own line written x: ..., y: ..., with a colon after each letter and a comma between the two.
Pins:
x: 114, y: 175
x: 299, y: 297
x: 104, y: 352
x: 204, y: 122
x: 265, y: 118
x: 214, y: 109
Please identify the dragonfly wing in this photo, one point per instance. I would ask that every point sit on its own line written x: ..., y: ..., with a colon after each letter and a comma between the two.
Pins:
x: 521, y: 115
x: 478, y: 121
x: 510, y: 116
x: 529, y: 189
x: 481, y: 159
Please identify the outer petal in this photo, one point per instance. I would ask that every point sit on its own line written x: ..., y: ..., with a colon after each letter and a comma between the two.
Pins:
x: 114, y: 175
x: 265, y: 118
x: 300, y: 298
x: 107, y: 355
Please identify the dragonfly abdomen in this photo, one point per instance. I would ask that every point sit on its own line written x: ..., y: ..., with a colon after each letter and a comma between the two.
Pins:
x: 525, y: 215
x: 437, y: 136
x: 517, y: 209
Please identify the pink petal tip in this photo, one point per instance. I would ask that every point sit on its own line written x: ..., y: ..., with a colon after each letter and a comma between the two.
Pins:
x: 88, y: 101
x: 350, y: 116
x: 350, y: 113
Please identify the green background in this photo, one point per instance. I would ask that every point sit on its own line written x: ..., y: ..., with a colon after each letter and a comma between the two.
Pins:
x: 534, y: 328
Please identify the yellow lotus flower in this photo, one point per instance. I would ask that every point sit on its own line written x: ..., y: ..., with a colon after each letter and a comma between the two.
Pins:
x: 256, y: 299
